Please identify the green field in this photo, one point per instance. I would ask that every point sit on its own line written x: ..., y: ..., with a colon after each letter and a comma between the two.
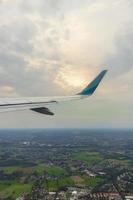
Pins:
x: 14, y: 189
x: 92, y: 182
x: 89, y: 158
x: 53, y: 171
x: 118, y: 162
x: 40, y: 169
x: 63, y: 182
x: 59, y: 176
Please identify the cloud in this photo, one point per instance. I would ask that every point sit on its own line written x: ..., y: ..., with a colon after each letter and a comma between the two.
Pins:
x: 121, y: 61
x: 42, y: 40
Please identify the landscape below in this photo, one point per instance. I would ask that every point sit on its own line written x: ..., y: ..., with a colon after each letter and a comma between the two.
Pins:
x: 66, y: 164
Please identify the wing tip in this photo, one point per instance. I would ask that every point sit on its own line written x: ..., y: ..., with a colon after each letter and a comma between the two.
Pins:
x: 92, y: 86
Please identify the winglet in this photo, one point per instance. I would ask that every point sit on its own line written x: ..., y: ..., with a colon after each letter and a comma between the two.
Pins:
x: 90, y: 89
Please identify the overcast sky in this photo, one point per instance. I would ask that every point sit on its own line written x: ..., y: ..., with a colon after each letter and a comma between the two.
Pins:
x: 55, y: 47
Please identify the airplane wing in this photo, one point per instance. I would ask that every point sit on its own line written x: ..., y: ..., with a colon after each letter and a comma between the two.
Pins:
x: 39, y: 104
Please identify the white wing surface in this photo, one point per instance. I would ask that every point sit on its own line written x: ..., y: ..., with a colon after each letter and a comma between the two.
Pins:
x: 39, y: 104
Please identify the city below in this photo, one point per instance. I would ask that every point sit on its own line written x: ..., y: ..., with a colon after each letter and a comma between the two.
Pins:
x: 66, y: 164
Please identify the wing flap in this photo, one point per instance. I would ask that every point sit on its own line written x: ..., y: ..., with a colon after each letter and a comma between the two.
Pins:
x: 42, y: 110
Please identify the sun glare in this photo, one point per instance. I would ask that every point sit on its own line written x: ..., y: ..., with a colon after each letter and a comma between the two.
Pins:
x: 75, y: 81
x: 70, y: 79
